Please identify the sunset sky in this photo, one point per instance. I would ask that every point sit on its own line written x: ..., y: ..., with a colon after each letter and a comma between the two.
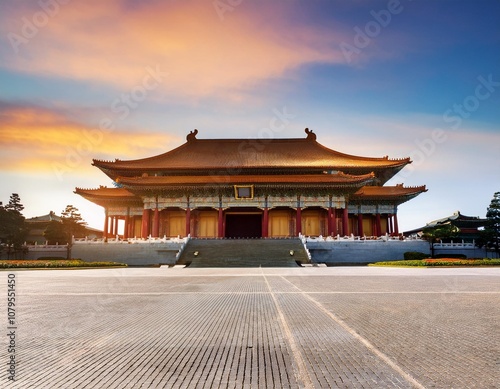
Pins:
x: 129, y: 79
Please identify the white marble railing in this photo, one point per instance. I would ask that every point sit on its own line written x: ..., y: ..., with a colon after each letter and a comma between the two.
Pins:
x: 455, y: 245
x: 118, y: 240
x: 304, y: 240
x: 352, y: 238
x: 45, y: 247
x: 179, y: 253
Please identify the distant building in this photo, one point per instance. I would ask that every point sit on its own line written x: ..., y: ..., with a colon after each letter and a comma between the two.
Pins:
x: 237, y: 188
x: 37, y: 225
x: 469, y: 226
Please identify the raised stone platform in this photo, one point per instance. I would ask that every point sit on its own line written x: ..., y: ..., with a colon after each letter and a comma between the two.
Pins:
x: 356, y: 251
x: 133, y: 253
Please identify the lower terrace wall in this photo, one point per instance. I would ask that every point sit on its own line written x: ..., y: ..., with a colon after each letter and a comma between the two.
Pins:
x: 344, y: 252
x: 468, y: 249
x: 138, y: 252
x: 143, y: 253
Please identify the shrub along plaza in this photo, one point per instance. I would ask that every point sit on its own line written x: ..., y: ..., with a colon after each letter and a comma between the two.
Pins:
x: 441, y: 262
x: 56, y: 263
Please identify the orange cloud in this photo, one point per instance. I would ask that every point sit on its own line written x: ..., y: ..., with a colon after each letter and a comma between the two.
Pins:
x: 36, y: 139
x: 106, y: 42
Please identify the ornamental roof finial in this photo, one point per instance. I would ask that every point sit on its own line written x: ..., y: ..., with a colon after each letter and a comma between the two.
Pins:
x: 310, y: 135
x: 192, y: 135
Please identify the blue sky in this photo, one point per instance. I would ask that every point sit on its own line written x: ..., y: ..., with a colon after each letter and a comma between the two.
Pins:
x: 372, y: 78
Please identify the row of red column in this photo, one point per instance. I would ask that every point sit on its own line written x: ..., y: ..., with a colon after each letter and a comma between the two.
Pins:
x: 393, y: 227
x: 110, y: 226
x: 146, y: 227
x: 332, y: 225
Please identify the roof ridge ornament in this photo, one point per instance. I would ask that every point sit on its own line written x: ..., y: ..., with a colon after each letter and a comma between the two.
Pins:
x: 310, y: 134
x: 192, y: 135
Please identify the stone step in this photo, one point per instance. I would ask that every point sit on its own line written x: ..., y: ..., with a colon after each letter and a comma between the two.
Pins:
x: 243, y: 253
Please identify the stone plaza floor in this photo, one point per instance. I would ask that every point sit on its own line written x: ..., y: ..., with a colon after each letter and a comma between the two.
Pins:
x: 342, y: 327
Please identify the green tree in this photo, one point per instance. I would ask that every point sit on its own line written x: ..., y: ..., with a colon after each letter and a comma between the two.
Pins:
x: 438, y: 233
x: 14, y: 204
x: 490, y: 237
x: 73, y: 224
x: 55, y: 234
x: 12, y: 226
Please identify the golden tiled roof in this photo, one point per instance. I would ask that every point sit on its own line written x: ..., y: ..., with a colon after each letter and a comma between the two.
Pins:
x: 386, y: 192
x: 105, y: 192
x: 216, y: 154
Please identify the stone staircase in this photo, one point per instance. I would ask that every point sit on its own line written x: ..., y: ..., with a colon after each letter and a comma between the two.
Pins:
x: 243, y: 253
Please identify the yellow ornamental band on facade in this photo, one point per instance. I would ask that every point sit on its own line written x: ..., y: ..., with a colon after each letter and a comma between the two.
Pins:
x: 284, y: 177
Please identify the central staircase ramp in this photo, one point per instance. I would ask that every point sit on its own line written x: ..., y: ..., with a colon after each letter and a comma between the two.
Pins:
x: 243, y: 253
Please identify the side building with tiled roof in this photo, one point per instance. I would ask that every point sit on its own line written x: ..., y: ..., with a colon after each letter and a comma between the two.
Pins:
x: 251, y: 188
x: 36, y: 226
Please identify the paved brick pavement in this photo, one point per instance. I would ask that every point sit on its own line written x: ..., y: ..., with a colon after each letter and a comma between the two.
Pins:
x: 254, y: 328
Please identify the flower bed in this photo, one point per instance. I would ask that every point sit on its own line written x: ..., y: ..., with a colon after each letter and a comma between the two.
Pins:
x: 55, y: 263
x: 441, y: 262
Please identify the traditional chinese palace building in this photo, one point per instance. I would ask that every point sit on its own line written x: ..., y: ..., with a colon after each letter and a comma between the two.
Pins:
x: 238, y: 188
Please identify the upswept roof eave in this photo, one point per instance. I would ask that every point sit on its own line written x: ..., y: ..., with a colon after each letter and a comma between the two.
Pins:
x: 112, y: 164
x: 105, y: 193
x: 386, y: 192
x: 347, y: 161
x: 456, y: 218
x: 395, y: 161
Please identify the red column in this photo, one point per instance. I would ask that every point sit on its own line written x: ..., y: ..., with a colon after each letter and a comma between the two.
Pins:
x: 188, y: 221
x: 378, y: 225
x: 345, y: 221
x: 114, y: 222
x: 334, y: 222
x: 126, y: 227
x: 156, y: 223
x: 220, y: 224
x: 265, y: 223
x: 360, y: 224
x: 330, y: 222
x: 111, y: 226
x: 145, y: 223
x: 106, y: 221
x: 130, y: 224
x: 396, y: 228
x: 298, y: 224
